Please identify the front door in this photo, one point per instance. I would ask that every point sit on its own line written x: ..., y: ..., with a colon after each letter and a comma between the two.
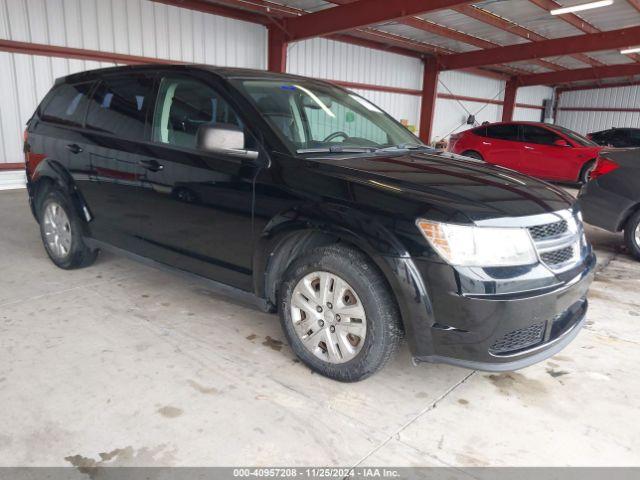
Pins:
x: 199, y: 215
x: 541, y: 156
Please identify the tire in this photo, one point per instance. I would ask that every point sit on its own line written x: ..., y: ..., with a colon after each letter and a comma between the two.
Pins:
x: 62, y: 230
x: 632, y: 234
x: 473, y: 154
x: 363, y: 345
x: 587, y: 168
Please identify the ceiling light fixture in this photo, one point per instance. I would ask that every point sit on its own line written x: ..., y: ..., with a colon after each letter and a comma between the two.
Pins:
x: 583, y: 6
x: 630, y: 50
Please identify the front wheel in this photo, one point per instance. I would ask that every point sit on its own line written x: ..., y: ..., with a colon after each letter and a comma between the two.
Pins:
x: 338, y: 313
x: 632, y: 234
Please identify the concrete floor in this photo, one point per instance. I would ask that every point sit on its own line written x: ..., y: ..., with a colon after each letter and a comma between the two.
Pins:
x: 121, y: 364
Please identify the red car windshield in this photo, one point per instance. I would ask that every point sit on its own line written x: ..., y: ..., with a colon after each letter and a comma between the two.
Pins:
x: 576, y: 137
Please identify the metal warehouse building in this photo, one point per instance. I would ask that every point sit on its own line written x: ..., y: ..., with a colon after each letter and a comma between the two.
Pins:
x: 379, y: 56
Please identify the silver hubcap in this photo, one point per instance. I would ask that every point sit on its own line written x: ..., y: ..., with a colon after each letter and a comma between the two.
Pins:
x: 328, y: 317
x: 637, y: 235
x: 57, y: 230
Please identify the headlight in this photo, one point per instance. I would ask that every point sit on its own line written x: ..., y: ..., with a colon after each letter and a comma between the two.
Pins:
x: 471, y: 246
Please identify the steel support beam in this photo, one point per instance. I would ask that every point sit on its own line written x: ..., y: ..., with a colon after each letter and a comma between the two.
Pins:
x: 446, y: 32
x: 429, y: 97
x: 610, y: 40
x: 575, y: 20
x: 598, y: 86
x: 78, y: 53
x: 277, y: 50
x: 217, y: 9
x: 494, y: 20
x: 509, y: 104
x: 555, y: 78
x: 360, y: 14
x: 635, y: 4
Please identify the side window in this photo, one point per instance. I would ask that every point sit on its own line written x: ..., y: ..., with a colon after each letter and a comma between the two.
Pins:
x: 503, y: 132
x: 183, y: 106
x: 634, y: 136
x: 119, y: 106
x: 67, y: 105
x: 539, y: 135
x: 480, y: 131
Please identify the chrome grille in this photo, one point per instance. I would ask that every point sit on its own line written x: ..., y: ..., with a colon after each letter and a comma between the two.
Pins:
x: 558, y: 257
x: 550, y: 230
x: 519, y: 339
x: 559, y: 243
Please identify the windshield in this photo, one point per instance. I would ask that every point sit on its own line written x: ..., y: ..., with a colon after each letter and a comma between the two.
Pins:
x: 315, y: 117
x: 576, y: 137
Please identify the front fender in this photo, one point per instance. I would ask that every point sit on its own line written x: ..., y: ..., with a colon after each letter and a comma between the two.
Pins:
x: 294, y: 231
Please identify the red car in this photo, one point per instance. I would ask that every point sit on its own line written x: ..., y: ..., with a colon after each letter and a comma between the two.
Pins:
x: 541, y: 150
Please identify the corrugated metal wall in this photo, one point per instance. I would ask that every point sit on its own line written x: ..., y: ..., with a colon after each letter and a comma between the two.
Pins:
x: 531, y: 96
x: 593, y: 121
x: 327, y: 59
x: 134, y: 27
x: 451, y: 115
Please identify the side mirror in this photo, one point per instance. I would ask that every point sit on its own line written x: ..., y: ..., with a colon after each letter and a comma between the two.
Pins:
x: 223, y: 138
x: 561, y: 143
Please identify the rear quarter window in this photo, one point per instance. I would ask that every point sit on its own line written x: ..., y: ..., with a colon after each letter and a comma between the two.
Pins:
x: 503, y: 132
x: 119, y: 106
x: 66, y: 104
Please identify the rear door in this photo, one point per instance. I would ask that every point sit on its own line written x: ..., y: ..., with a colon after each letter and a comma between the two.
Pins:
x: 115, y: 130
x: 500, y: 146
x: 198, y: 216
x: 542, y: 158
x: 57, y: 135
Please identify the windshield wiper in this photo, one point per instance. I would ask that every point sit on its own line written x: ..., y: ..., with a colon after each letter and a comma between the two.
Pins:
x: 337, y: 149
x: 405, y: 146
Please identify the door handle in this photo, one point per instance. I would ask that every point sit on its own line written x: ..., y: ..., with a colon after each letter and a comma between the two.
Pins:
x: 486, y: 143
x: 74, y: 148
x: 528, y: 147
x: 151, y: 165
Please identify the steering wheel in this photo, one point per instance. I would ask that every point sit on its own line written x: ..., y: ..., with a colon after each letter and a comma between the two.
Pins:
x: 335, y: 135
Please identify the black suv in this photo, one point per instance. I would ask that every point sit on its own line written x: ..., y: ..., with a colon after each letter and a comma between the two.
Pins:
x: 308, y: 199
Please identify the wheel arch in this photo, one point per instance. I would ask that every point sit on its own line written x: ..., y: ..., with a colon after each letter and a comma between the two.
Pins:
x: 584, y: 166
x: 628, y: 213
x: 471, y: 150
x: 52, y: 174
x: 289, y: 235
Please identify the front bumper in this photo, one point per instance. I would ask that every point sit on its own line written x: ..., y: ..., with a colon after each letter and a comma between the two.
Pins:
x: 506, y: 329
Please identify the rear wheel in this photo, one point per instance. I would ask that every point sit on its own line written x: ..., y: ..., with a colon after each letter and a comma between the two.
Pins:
x: 338, y: 313
x: 62, y: 232
x: 473, y: 154
x: 585, y: 173
x: 632, y: 234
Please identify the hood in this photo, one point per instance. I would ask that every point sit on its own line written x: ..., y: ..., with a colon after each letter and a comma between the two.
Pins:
x: 454, y: 185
